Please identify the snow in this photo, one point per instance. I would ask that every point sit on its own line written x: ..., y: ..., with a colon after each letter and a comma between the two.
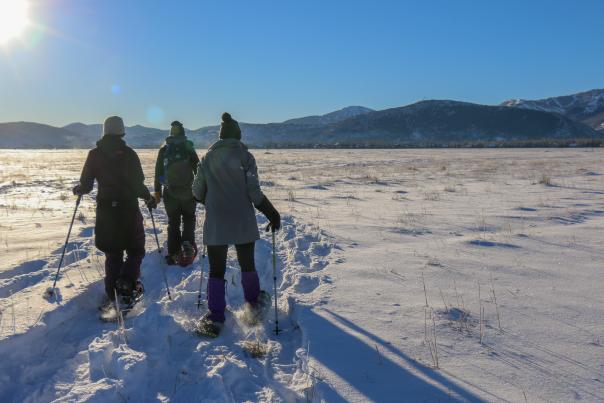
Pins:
x: 386, y: 261
x: 578, y: 105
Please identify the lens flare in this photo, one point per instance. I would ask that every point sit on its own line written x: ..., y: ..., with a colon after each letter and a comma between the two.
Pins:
x: 14, y: 19
x: 155, y: 115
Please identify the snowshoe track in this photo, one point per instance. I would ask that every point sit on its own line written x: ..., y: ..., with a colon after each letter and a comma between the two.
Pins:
x: 158, y: 356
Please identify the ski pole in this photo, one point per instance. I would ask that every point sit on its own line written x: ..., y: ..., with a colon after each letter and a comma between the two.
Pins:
x: 51, y: 292
x: 159, y: 251
x: 203, y: 256
x: 275, y: 284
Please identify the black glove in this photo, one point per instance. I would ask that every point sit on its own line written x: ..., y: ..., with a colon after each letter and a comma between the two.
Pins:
x: 151, y: 203
x: 267, y: 208
x: 77, y: 190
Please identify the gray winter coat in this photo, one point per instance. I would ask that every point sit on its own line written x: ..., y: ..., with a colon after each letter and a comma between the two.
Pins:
x: 227, y: 184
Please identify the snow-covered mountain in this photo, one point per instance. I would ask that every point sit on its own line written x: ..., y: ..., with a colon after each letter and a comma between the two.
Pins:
x: 586, y: 107
x: 330, y: 118
x: 439, y: 122
x: 426, y: 123
x: 423, y: 124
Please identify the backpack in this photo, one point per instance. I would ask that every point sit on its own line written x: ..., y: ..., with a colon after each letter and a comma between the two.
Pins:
x: 177, y: 166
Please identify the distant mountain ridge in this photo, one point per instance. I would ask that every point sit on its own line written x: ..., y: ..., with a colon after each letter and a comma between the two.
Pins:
x: 586, y: 107
x: 330, y: 118
x: 37, y: 135
x: 432, y: 123
x: 442, y: 122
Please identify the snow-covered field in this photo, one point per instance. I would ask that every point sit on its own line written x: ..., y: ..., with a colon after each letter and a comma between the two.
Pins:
x: 404, y: 275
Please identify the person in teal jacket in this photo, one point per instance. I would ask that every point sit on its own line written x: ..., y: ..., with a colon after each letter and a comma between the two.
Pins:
x: 174, y: 173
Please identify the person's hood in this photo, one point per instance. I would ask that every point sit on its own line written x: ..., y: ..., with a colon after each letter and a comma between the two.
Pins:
x: 177, y: 140
x: 111, y: 145
x: 177, y: 129
x: 227, y: 143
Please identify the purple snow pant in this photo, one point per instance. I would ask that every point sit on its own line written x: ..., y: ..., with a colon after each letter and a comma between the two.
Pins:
x: 129, y: 269
x: 217, y: 256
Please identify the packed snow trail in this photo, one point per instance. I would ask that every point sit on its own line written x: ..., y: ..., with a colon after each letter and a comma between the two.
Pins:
x: 70, y: 355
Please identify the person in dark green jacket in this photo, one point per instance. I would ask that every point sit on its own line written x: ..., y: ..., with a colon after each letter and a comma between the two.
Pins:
x: 174, y: 173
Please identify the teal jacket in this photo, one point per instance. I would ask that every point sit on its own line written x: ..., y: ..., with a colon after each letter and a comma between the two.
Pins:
x: 159, y: 163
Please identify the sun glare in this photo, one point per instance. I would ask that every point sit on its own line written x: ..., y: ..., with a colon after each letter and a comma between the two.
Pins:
x: 13, y: 19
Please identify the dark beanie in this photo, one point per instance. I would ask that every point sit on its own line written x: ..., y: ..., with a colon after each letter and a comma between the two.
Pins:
x: 229, y: 128
x: 177, y: 129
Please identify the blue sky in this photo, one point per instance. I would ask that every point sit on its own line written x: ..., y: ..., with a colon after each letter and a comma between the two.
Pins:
x: 153, y: 61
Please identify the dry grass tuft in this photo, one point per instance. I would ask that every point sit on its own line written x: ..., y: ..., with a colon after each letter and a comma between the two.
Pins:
x: 255, y: 349
x: 545, y: 179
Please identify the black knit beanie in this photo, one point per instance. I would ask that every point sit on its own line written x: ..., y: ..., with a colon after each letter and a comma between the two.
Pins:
x: 177, y: 129
x: 229, y: 128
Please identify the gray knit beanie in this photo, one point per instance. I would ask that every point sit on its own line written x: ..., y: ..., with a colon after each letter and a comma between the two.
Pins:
x: 114, y: 126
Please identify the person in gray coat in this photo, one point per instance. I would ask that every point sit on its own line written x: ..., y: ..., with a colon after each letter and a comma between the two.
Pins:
x: 227, y: 185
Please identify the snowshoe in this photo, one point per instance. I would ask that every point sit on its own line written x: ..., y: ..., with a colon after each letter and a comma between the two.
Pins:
x: 188, y: 254
x: 108, y: 313
x: 208, y: 328
x: 106, y: 303
x: 127, y: 298
x: 254, y: 314
x: 137, y: 292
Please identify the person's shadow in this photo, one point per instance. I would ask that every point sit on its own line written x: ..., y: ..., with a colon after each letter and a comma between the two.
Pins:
x: 355, y: 361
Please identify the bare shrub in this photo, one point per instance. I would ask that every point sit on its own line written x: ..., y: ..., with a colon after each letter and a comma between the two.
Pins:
x: 291, y: 196
x: 432, y: 196
x: 255, y: 349
x: 545, y: 179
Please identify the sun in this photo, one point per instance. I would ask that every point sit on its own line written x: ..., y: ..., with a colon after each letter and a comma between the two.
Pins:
x: 13, y: 19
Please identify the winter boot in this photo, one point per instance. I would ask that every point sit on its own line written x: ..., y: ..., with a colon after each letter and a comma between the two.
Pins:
x: 209, y: 328
x: 106, y: 303
x: 124, y: 287
x: 255, y: 313
x: 139, y: 289
x: 188, y: 254
x: 171, y: 260
x: 129, y: 293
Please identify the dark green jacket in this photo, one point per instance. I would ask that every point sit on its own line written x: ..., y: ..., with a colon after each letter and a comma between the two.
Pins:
x: 159, y: 164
